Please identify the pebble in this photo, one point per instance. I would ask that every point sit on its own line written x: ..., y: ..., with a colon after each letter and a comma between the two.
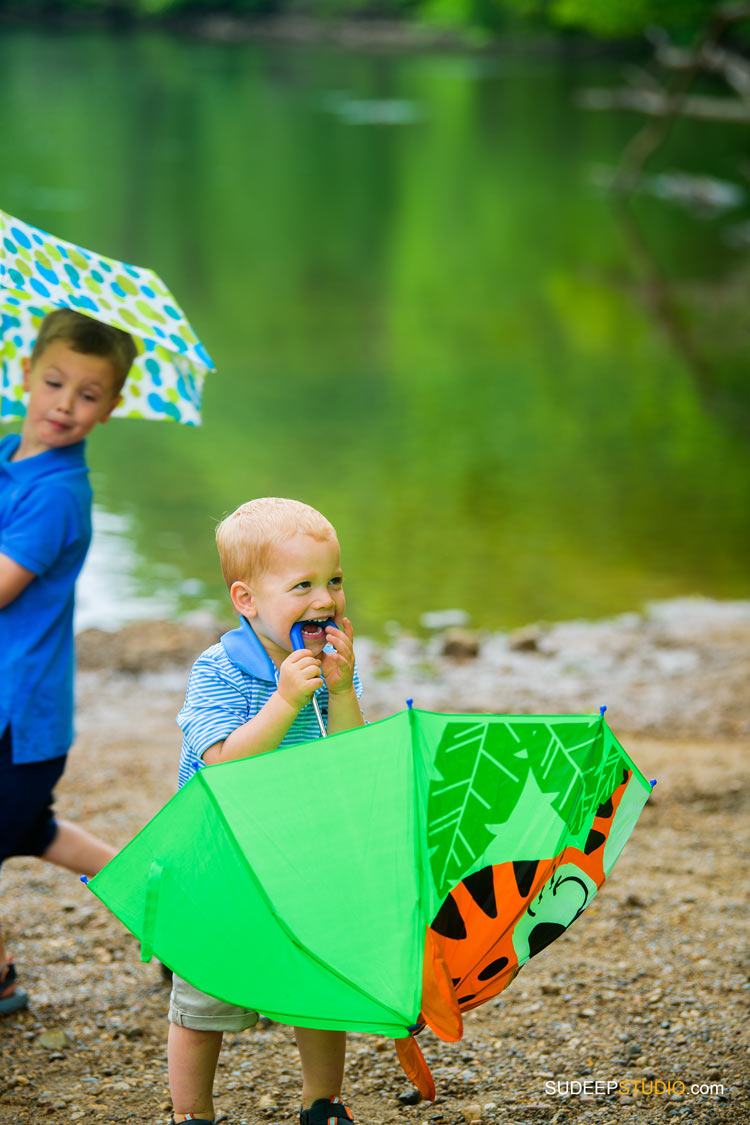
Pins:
x: 410, y: 1097
x: 54, y: 1040
x: 459, y: 644
x: 526, y: 639
x: 472, y: 1113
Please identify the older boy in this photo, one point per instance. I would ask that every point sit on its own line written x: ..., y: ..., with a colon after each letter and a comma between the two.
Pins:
x: 74, y: 378
x: 246, y: 695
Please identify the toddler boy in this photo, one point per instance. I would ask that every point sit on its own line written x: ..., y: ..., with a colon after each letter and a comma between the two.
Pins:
x: 74, y: 377
x: 246, y: 695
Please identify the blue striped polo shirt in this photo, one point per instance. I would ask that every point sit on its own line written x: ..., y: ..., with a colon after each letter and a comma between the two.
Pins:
x: 228, y: 685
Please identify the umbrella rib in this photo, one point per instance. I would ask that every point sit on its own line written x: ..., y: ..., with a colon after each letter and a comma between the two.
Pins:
x: 289, y: 933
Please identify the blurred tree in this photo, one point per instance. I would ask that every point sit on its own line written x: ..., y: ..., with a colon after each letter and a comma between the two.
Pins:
x: 606, y: 18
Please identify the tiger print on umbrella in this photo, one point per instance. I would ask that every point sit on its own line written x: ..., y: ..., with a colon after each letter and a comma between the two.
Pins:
x: 493, y: 922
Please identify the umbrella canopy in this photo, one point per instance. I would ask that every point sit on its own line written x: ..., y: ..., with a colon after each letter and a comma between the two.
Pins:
x: 383, y: 878
x: 39, y: 273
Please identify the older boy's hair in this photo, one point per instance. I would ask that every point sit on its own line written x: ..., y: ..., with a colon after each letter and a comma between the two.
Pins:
x: 89, y: 337
x: 246, y: 538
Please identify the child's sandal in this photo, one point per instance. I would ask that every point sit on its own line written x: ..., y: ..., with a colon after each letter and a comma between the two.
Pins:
x: 202, y: 1120
x: 12, y: 998
x: 325, y: 1112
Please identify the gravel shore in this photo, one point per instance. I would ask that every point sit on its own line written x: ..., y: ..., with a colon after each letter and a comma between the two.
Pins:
x: 648, y: 990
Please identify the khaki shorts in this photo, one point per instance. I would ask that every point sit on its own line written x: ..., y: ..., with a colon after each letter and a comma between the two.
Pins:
x: 188, y: 1007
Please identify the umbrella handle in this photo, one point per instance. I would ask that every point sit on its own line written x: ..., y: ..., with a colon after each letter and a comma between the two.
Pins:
x: 295, y: 637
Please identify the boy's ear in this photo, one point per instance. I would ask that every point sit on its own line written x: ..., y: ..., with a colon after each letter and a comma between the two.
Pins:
x: 242, y: 599
x: 26, y: 368
x: 114, y: 406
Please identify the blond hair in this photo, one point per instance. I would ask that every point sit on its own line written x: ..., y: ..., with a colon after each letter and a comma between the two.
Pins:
x: 246, y: 538
x: 89, y: 337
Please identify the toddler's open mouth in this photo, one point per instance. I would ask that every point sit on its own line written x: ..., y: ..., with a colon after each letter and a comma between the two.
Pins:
x: 315, y: 629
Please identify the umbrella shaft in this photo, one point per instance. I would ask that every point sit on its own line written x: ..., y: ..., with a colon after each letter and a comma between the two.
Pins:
x: 319, y: 717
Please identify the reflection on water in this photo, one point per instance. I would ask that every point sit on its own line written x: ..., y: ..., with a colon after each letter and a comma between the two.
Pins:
x: 426, y: 321
x: 113, y: 589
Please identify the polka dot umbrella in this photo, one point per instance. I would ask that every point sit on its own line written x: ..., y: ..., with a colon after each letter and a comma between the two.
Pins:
x: 39, y: 273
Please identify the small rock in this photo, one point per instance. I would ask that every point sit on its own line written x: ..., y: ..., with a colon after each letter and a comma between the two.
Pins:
x: 267, y: 1101
x: 54, y: 1040
x: 526, y: 639
x: 459, y: 644
x: 410, y: 1097
x: 472, y: 1113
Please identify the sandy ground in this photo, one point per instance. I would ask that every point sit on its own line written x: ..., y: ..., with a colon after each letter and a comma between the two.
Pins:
x: 648, y: 989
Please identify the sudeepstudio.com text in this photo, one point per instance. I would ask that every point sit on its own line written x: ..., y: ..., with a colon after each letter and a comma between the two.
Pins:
x: 631, y: 1087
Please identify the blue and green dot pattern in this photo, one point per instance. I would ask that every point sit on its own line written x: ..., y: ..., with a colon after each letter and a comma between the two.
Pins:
x: 39, y: 273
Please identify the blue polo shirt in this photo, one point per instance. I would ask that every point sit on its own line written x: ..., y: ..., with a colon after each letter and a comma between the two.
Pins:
x: 228, y: 685
x: 45, y: 526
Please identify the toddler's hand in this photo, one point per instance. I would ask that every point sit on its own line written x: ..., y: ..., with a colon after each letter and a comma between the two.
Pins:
x: 299, y: 678
x: 338, y: 666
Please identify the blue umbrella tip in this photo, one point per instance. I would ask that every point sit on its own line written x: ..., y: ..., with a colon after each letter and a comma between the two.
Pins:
x: 652, y: 782
x: 603, y: 708
x: 84, y: 879
x: 410, y: 703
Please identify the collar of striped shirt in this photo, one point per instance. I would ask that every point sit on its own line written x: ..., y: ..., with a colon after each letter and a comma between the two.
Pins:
x: 245, y: 650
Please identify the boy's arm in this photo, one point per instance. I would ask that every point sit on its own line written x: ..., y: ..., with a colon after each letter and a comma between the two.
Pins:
x: 299, y: 678
x: 13, y: 580
x: 41, y: 525
x: 344, y: 712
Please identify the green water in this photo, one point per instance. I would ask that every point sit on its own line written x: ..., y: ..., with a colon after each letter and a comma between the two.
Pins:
x: 427, y: 321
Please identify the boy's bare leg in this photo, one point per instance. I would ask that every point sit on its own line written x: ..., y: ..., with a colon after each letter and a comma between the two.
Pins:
x: 192, y: 1059
x: 322, y: 1054
x: 75, y: 848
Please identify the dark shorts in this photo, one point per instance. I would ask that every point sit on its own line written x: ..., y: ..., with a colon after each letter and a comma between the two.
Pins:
x: 27, y: 823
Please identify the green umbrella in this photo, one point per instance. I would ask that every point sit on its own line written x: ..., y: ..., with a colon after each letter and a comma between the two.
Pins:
x: 332, y: 884
x: 39, y: 273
